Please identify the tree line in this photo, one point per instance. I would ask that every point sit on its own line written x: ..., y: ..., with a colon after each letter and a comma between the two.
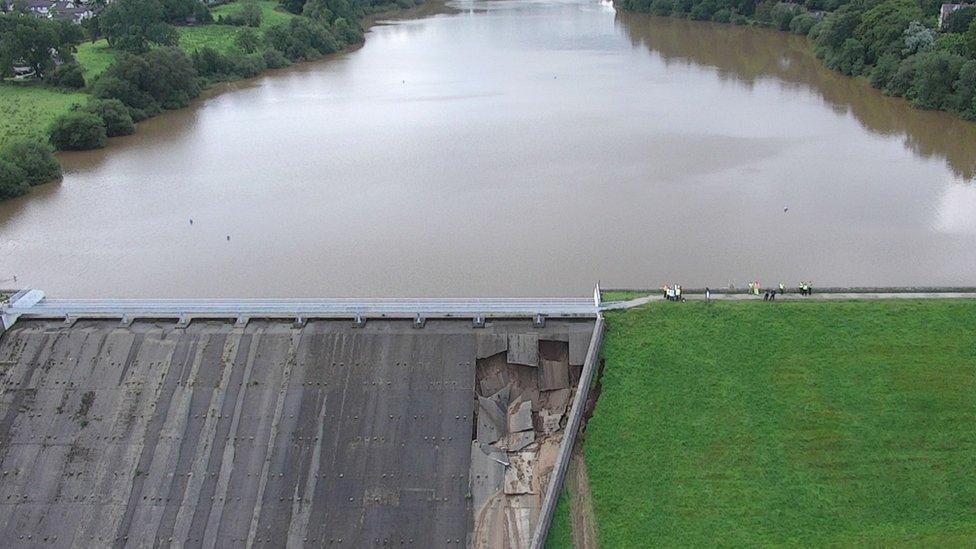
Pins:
x: 892, y: 43
x: 150, y: 73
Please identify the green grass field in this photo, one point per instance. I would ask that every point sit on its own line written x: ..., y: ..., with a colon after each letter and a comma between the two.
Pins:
x: 620, y: 295
x: 221, y: 37
x: 94, y: 57
x: 744, y: 424
x: 27, y: 111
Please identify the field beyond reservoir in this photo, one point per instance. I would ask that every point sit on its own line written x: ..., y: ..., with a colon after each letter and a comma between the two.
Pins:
x: 807, y: 424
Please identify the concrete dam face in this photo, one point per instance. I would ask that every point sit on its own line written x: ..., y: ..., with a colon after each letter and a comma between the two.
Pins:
x: 275, y: 433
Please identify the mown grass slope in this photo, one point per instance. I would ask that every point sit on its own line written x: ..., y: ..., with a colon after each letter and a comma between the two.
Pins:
x: 753, y: 423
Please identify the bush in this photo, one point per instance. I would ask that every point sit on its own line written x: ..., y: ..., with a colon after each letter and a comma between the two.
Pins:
x: 141, y: 105
x: 247, y: 40
x: 723, y: 15
x: 782, y: 15
x: 935, y: 74
x: 952, y: 43
x: 67, y: 75
x: 302, y: 38
x: 801, y: 24
x: 882, y: 72
x: 662, y: 7
x: 964, y: 91
x: 12, y: 180
x: 114, y: 114
x: 850, y: 59
x: 274, y: 59
x: 78, y: 131
x: 351, y: 34
x: 250, y: 16
x: 703, y: 11
x: 900, y: 83
x: 33, y: 159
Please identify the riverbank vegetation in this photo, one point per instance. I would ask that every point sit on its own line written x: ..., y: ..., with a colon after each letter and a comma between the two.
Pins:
x: 894, y: 44
x: 72, y: 86
x: 750, y: 423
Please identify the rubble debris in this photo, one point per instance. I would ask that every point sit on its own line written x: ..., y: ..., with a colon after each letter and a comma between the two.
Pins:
x: 519, y: 416
x: 518, y: 475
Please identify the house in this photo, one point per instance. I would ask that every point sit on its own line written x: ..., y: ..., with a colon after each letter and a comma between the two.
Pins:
x: 947, y: 10
x: 67, y: 10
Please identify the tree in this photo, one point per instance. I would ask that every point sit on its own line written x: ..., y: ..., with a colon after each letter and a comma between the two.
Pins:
x: 883, y: 70
x: 172, y: 80
x: 964, y: 91
x: 251, y: 14
x: 971, y: 38
x: 658, y: 7
x: 882, y: 27
x: 78, y: 131
x: 134, y: 25
x: 12, y: 182
x: 114, y: 114
x: 161, y: 78
x: 782, y: 14
x: 30, y: 41
x: 935, y: 74
x: 900, y: 83
x: 247, y: 40
x: 917, y: 38
x: 33, y: 159
x: 850, y: 59
x: 183, y: 11
x: 301, y: 38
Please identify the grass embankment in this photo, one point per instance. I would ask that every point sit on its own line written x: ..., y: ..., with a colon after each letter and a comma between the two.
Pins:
x: 786, y: 424
x: 561, y: 529
x: 28, y: 110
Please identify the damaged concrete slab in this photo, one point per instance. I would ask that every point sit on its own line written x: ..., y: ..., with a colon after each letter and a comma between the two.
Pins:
x: 259, y: 433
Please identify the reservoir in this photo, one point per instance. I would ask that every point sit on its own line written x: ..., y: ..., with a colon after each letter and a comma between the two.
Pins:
x: 514, y: 148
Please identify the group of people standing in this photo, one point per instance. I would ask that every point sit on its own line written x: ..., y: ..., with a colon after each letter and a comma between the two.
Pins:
x: 672, y: 292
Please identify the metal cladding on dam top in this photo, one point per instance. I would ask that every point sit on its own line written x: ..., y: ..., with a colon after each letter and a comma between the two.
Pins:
x: 320, y: 432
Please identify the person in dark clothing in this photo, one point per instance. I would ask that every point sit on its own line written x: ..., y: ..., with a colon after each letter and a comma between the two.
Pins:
x: 766, y: 296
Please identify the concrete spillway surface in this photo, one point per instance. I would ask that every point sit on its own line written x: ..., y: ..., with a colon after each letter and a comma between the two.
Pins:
x: 216, y: 435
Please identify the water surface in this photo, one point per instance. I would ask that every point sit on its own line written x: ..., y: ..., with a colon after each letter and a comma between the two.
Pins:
x: 514, y: 148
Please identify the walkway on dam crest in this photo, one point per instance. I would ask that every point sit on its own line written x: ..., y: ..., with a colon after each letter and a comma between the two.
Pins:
x: 827, y: 295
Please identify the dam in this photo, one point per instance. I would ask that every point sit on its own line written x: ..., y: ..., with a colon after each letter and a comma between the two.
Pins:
x: 256, y: 423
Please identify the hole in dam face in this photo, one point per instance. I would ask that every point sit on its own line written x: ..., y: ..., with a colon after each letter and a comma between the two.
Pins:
x: 276, y: 432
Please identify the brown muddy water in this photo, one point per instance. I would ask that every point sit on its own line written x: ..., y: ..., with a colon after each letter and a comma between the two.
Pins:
x: 514, y: 148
